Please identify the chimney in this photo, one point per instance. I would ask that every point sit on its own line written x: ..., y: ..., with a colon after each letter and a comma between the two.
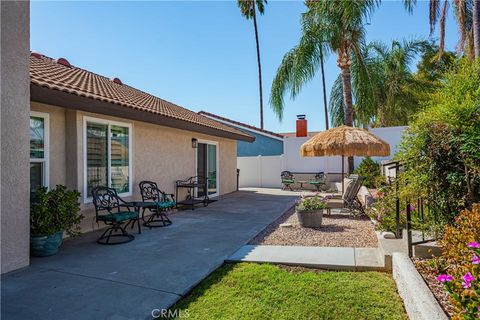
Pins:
x: 301, y: 126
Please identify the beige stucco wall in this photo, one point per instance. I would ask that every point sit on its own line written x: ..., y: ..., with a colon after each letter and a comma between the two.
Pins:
x: 161, y: 154
x: 14, y: 126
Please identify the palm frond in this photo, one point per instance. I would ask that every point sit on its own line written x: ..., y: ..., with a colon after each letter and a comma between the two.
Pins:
x: 409, y: 5
x: 298, y: 66
x: 336, y: 106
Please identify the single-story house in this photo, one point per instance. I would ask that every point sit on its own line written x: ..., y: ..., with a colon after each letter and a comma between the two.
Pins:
x: 88, y: 130
x: 267, y: 143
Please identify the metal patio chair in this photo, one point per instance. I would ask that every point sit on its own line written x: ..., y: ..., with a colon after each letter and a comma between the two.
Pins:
x: 287, y: 180
x: 161, y: 203
x: 319, y: 181
x: 114, y: 212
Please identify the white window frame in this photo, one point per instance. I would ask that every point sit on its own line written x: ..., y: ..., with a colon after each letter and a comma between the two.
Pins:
x: 46, y: 146
x: 217, y: 146
x: 86, y: 197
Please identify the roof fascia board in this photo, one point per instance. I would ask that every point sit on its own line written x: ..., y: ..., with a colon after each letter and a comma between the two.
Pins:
x: 243, y: 127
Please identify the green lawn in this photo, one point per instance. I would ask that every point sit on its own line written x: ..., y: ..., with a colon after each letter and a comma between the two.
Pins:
x: 263, y: 291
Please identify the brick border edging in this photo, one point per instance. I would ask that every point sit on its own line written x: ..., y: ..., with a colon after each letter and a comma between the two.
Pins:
x: 419, y: 301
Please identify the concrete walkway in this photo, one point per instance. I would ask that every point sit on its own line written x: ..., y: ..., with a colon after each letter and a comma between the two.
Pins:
x: 334, y: 258
x: 90, y: 281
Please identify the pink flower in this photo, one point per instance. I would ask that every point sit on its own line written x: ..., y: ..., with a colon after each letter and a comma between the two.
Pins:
x: 412, y: 208
x: 475, y: 259
x: 474, y: 245
x: 468, y: 277
x: 444, y: 278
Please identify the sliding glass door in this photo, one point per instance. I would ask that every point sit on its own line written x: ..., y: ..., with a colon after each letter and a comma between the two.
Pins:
x: 207, y: 154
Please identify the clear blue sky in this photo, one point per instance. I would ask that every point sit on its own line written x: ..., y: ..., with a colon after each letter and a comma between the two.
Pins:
x: 201, y: 54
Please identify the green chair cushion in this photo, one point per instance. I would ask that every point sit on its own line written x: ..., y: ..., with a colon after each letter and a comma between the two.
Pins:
x: 166, y: 204
x: 316, y: 182
x: 119, y: 216
x: 288, y: 181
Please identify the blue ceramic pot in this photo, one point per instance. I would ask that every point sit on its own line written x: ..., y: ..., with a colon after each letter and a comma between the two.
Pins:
x: 44, y: 246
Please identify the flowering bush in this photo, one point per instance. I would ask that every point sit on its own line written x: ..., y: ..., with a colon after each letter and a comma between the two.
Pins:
x: 464, y: 290
x: 466, y: 229
x: 462, y: 262
x: 383, y: 211
x: 311, y: 204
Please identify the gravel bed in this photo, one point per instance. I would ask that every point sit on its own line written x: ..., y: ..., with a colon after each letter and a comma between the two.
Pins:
x: 338, y: 230
x: 429, y: 275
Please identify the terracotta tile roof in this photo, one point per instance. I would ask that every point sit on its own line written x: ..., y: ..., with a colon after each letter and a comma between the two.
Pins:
x: 233, y: 122
x: 47, y: 72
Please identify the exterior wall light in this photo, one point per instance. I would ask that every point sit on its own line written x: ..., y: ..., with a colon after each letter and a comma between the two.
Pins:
x: 194, y: 143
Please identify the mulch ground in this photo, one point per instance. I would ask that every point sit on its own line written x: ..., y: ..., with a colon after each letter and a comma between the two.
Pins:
x: 338, y: 230
x: 429, y: 274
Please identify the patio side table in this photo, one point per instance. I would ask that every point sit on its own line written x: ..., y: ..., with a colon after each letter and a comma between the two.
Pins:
x: 155, y: 218
x: 301, y: 184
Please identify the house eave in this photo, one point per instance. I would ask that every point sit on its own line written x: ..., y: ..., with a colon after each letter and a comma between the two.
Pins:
x: 76, y: 102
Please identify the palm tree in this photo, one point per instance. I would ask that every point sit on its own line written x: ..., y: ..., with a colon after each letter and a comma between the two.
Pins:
x: 393, y: 95
x: 248, y: 9
x: 341, y: 25
x: 468, y: 19
x: 298, y: 67
x: 476, y: 27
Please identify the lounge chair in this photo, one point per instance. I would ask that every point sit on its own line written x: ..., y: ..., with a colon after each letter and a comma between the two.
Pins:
x: 161, y: 203
x: 287, y: 180
x: 114, y: 212
x: 319, y: 181
x: 349, y: 198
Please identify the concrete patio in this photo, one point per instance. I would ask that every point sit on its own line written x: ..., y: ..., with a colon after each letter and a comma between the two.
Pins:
x: 89, y: 281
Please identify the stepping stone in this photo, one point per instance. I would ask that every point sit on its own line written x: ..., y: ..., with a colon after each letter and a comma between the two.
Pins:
x: 286, y: 225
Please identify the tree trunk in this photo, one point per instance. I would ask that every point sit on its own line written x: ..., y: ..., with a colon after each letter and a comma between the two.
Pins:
x: 348, y: 101
x: 476, y: 27
x: 259, y: 65
x: 325, y: 109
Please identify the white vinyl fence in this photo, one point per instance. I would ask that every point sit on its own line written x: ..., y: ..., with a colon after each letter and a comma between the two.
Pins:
x: 264, y: 171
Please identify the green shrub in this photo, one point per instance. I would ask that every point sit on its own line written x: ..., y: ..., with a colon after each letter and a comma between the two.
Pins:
x: 55, y: 210
x: 441, y: 148
x: 370, y: 171
x: 383, y: 211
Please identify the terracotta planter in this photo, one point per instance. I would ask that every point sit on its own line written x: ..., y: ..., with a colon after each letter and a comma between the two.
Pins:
x: 310, y: 219
x: 44, y: 246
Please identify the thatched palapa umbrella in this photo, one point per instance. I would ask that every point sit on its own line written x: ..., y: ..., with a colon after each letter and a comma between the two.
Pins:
x: 345, y: 141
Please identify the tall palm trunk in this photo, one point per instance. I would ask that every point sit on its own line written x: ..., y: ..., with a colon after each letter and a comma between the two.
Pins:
x: 325, y: 109
x: 476, y: 27
x: 348, y: 101
x: 259, y: 65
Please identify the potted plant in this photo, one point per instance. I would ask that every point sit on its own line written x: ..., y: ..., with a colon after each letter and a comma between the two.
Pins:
x: 51, y: 214
x: 310, y: 211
